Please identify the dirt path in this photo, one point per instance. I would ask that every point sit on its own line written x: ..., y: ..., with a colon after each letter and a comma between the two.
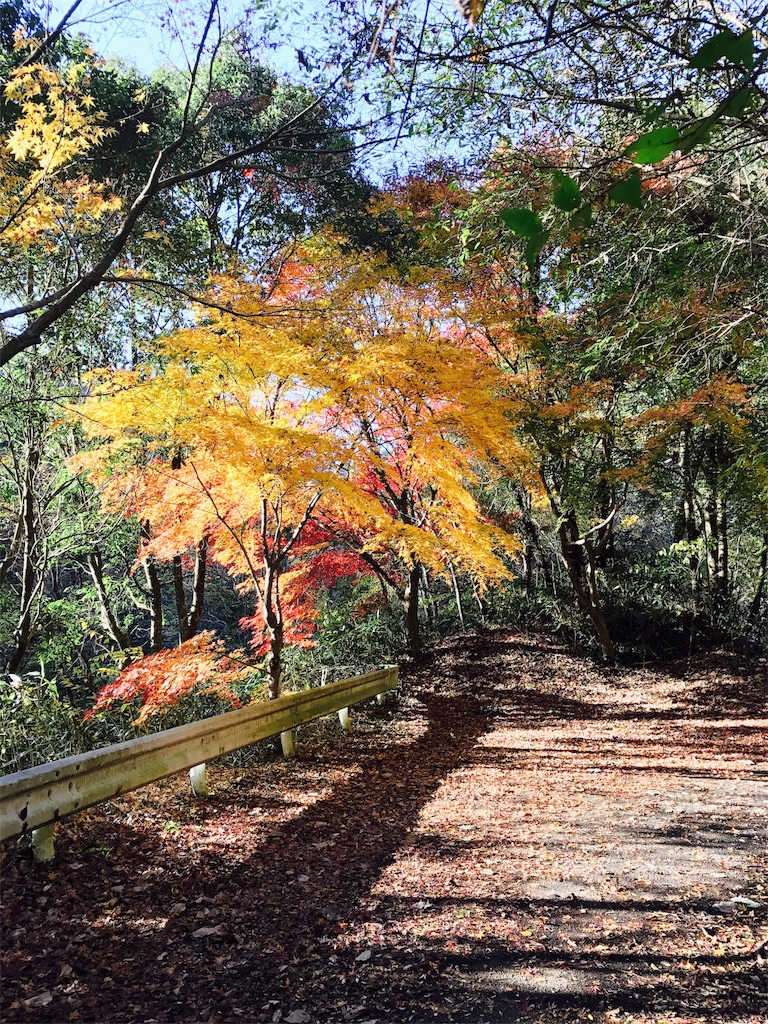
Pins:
x: 523, y: 838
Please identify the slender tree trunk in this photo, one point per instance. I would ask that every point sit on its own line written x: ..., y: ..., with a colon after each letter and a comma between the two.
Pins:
x: 533, y: 547
x: 155, y: 593
x: 31, y: 579
x: 181, y: 599
x: 411, y: 610
x: 686, y: 527
x: 273, y: 620
x: 723, y: 553
x: 687, y: 524
x: 457, y: 596
x: 198, y: 586
x: 109, y: 623
x: 483, y: 605
x: 580, y: 563
x: 606, y: 499
x: 189, y: 615
x: 717, y: 549
x: 429, y: 608
x: 717, y: 525
x: 754, y: 608
x: 274, y: 659
x: 14, y: 546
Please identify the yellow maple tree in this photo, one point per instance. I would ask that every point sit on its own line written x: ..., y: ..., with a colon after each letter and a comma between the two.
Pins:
x: 42, y: 183
x: 337, y: 396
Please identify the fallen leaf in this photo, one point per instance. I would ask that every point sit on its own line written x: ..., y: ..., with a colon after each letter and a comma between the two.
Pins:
x: 41, y: 1000
x: 202, y: 933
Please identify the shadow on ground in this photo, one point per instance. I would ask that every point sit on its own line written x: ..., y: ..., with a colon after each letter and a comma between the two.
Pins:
x: 352, y: 909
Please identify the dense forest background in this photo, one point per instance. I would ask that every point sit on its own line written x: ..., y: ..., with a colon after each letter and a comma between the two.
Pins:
x: 460, y: 320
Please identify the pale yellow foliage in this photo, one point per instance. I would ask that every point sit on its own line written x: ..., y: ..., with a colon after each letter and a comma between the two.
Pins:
x: 40, y: 189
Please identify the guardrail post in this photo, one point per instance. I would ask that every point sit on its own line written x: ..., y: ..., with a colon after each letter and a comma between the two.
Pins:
x: 344, y: 721
x: 287, y: 743
x: 199, y: 780
x: 42, y: 844
x: 392, y: 679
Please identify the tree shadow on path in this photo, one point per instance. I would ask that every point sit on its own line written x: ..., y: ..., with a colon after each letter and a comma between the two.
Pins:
x: 262, y: 920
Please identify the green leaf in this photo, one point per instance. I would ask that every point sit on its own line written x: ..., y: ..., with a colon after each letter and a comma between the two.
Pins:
x: 582, y: 218
x: 737, y: 49
x: 535, y: 244
x: 740, y: 101
x: 567, y: 197
x: 628, y: 191
x: 698, y: 134
x: 700, y: 131
x: 654, y: 146
x: 658, y: 110
x: 522, y: 222
x: 743, y: 53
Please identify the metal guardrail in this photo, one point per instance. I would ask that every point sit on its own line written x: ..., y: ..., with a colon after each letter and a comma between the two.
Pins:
x: 36, y: 798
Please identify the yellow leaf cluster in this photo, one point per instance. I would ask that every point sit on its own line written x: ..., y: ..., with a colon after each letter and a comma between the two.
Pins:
x: 42, y: 182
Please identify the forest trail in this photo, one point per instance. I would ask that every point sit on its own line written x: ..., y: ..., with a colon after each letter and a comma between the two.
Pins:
x: 522, y: 837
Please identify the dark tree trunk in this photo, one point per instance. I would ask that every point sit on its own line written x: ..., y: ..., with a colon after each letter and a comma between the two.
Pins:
x: 181, y: 599
x: 155, y: 593
x: 189, y: 616
x: 532, y: 539
x: 579, y: 557
x: 428, y: 604
x: 273, y: 620
x: 274, y: 662
x: 717, y: 527
x: 606, y: 496
x: 411, y: 610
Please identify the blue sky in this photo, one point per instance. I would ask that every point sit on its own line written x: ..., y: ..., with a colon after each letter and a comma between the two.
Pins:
x: 150, y: 33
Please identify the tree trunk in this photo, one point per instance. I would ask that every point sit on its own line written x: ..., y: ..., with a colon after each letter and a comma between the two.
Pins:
x: 31, y: 579
x: 155, y: 593
x: 606, y: 497
x: 483, y: 605
x: 14, y: 546
x: 717, y: 526
x: 533, y: 548
x: 429, y: 606
x: 754, y: 608
x: 411, y: 610
x: 273, y: 620
x: 457, y: 596
x: 723, y: 554
x: 189, y: 616
x: 181, y: 599
x: 274, y: 663
x: 107, y: 616
x: 198, y: 586
x: 580, y: 563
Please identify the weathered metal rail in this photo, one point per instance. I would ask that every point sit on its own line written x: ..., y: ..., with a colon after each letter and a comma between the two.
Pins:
x: 36, y: 798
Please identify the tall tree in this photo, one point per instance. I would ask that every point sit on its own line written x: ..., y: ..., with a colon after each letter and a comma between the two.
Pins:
x: 232, y: 123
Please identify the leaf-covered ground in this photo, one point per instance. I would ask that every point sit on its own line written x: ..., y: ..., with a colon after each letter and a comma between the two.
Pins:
x: 520, y: 837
